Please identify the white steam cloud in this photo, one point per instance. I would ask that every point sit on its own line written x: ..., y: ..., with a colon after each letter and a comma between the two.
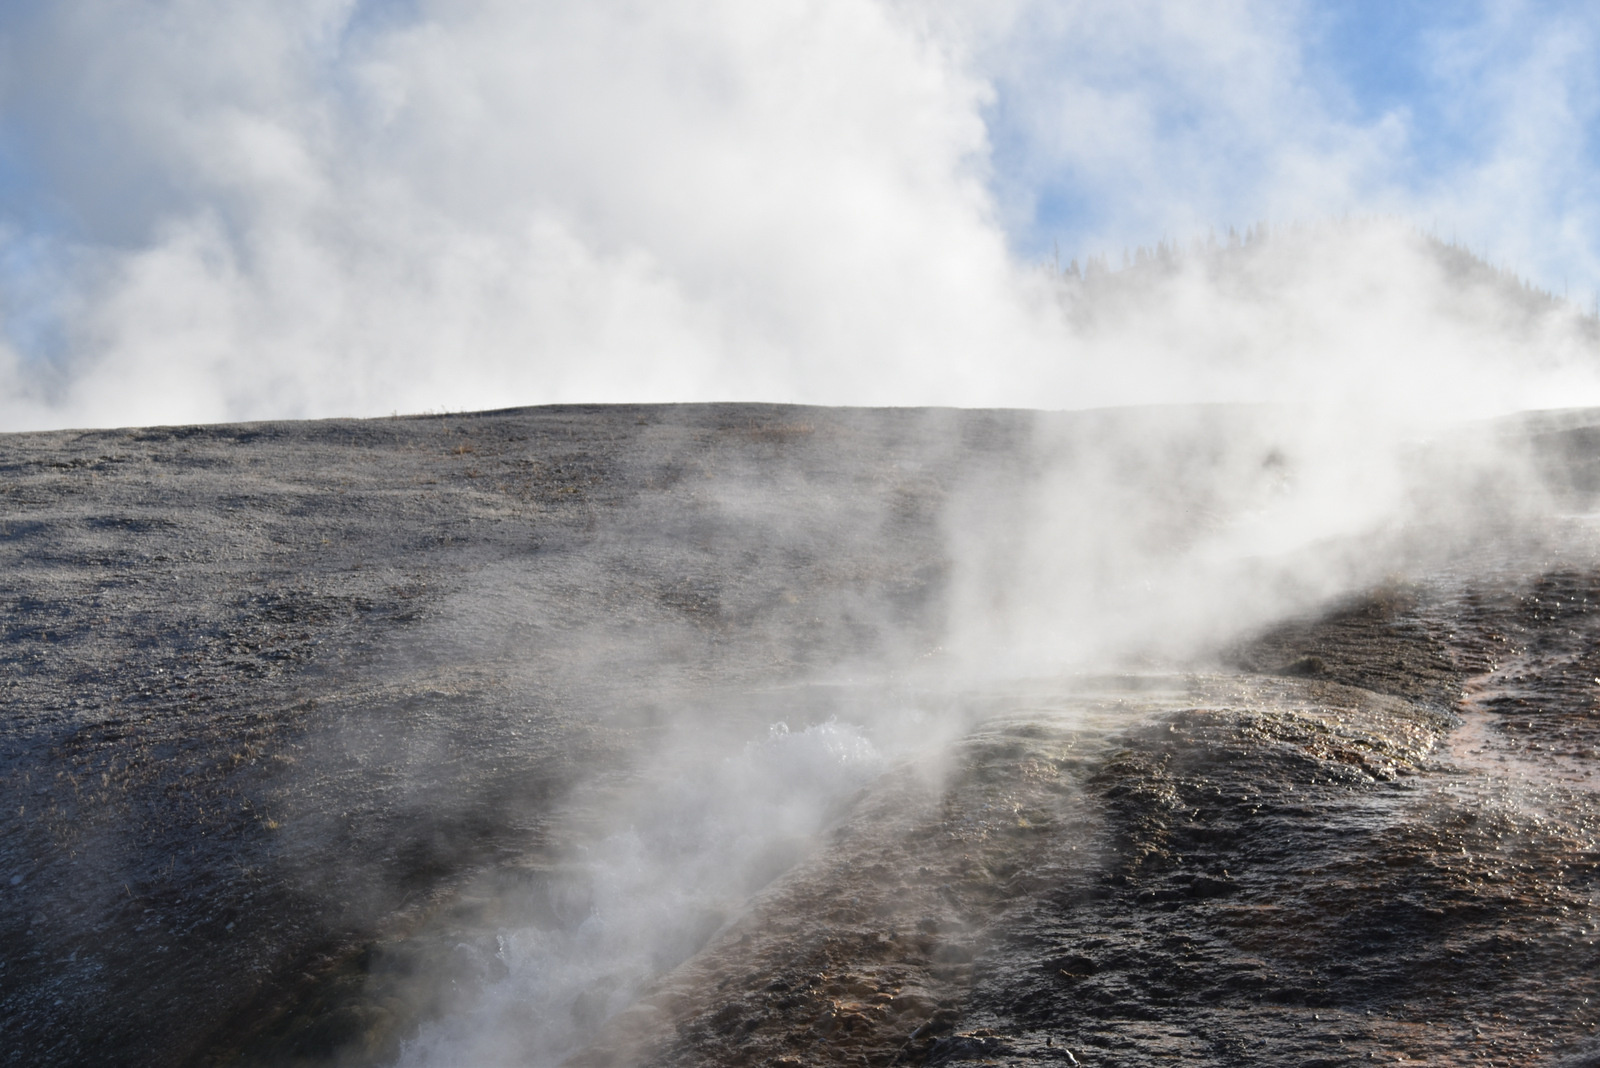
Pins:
x: 496, y: 203
x: 338, y: 207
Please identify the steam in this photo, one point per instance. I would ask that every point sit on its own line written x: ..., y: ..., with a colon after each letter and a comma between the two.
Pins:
x: 675, y: 869
x: 1117, y: 540
x: 338, y: 207
x: 272, y: 209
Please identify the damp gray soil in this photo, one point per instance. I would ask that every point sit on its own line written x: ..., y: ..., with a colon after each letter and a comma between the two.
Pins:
x: 316, y: 735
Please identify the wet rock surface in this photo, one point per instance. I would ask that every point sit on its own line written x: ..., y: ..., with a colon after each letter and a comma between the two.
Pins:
x: 1266, y: 871
x: 310, y: 726
x: 273, y: 691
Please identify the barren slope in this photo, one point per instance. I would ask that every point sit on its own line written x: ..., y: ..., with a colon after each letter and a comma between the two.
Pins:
x: 317, y: 735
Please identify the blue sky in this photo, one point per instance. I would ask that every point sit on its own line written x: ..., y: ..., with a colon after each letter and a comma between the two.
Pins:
x: 1424, y: 61
x: 1414, y: 107
x: 298, y: 206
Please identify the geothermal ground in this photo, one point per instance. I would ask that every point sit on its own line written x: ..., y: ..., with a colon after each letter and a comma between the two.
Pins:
x: 619, y: 736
